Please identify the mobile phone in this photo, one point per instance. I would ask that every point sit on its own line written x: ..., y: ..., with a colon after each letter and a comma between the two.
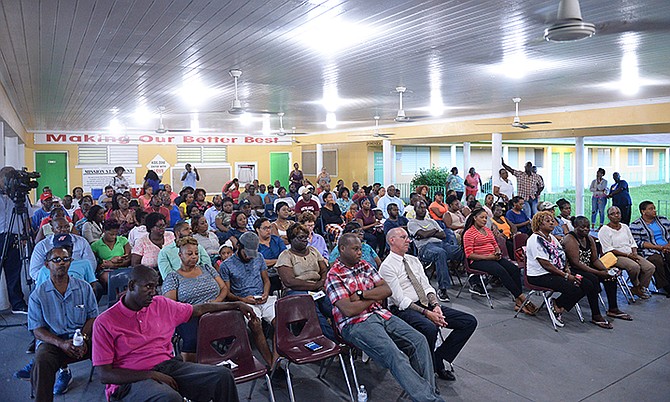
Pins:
x: 313, y: 346
x: 258, y: 297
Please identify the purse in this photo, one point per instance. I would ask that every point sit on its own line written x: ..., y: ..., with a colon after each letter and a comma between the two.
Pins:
x: 609, y: 260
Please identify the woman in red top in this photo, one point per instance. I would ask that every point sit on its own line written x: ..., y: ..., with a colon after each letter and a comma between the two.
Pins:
x: 483, y: 254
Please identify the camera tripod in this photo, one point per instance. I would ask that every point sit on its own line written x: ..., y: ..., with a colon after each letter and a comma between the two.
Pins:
x: 23, y: 241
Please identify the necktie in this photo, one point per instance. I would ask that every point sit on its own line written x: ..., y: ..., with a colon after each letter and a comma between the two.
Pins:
x: 415, y: 283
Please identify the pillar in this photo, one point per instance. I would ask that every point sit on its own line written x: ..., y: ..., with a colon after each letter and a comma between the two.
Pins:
x: 548, y: 171
x: 387, y: 156
x: 496, y: 154
x: 2, y: 144
x: 505, y: 153
x: 12, y: 152
x: 643, y: 164
x: 22, y: 155
x: 452, y: 153
x: 393, y: 165
x: 319, y: 160
x: 580, y: 165
x: 466, y: 158
x: 667, y: 165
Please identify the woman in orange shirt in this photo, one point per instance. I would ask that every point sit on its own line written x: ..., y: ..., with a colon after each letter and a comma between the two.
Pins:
x: 505, y: 228
x: 437, y: 208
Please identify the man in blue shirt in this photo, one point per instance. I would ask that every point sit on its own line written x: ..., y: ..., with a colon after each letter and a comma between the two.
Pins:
x: 168, y: 257
x: 190, y: 177
x: 246, y: 276
x: 390, y: 198
x: 394, y: 220
x: 621, y: 197
x: 56, y: 309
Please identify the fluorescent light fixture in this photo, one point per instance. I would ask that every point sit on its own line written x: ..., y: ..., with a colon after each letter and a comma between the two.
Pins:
x: 115, y: 127
x: 330, y: 35
x: 245, y: 119
x: 436, y: 103
x: 331, y: 120
x: 630, y: 75
x: 143, y: 115
x: 266, y: 125
x: 194, y: 92
x: 195, y: 123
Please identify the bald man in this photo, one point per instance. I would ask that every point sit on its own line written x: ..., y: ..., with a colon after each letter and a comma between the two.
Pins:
x: 414, y: 301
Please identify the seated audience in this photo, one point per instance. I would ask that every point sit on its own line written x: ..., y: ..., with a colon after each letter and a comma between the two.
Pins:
x: 81, y: 250
x: 409, y: 209
x: 283, y: 197
x: 111, y: 250
x: 437, y: 208
x: 225, y: 251
x: 56, y: 310
x: 504, y: 227
x: 246, y: 277
x: 331, y: 215
x: 79, y: 216
x: 45, y: 227
x: 414, y: 301
x: 156, y: 205
x: 282, y: 223
x: 199, y: 200
x: 254, y: 199
x: 270, y: 246
x: 303, y: 270
x: 483, y: 254
x: 565, y: 217
x: 92, y: 229
x: 368, y: 254
x: 343, y: 199
x: 147, y: 194
x: 211, y: 212
x: 615, y: 237
x: 454, y: 218
x: 168, y: 203
x: 47, y: 202
x: 369, y: 223
x: 136, y: 359
x: 271, y: 197
x: 169, y: 259
x: 238, y: 225
x: 315, y: 240
x: 652, y: 235
x: 140, y: 230
x: 222, y: 219
x: 517, y: 216
x: 580, y: 249
x: 123, y: 214
x: 205, y: 237
x: 356, y: 291
x: 395, y: 220
x: 488, y: 205
x: 192, y: 284
x: 68, y: 205
x: 391, y: 197
x: 146, y: 249
x: 435, y: 246
x: 306, y: 203
x: 183, y: 206
x: 546, y: 266
x: 350, y: 215
x: 558, y: 228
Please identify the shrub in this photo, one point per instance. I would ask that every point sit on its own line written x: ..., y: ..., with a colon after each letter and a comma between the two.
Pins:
x: 430, y: 177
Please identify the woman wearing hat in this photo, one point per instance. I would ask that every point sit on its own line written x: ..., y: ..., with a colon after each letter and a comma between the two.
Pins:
x: 119, y: 182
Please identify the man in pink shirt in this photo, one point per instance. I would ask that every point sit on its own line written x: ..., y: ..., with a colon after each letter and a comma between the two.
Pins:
x: 132, y: 346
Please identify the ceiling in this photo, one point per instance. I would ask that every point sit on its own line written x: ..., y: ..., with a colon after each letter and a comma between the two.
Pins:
x: 77, y: 65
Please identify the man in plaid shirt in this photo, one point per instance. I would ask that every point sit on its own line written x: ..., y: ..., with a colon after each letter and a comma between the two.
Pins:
x: 356, y: 289
x: 529, y: 186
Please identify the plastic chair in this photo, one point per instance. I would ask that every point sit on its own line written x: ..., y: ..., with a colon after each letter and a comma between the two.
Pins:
x: 293, y: 312
x: 519, y: 240
x: 472, y: 272
x: 228, y: 328
x: 117, y: 284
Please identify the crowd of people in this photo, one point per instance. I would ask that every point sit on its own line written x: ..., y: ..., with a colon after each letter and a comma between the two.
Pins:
x: 360, y: 252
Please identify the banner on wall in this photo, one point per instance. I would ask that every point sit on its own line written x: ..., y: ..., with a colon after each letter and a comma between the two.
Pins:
x: 160, y: 139
x: 100, y: 177
x: 158, y: 165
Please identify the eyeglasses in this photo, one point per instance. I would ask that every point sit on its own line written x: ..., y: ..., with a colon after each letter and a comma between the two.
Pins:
x: 61, y: 259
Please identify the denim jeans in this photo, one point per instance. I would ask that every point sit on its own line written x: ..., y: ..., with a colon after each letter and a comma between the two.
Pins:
x: 324, y: 311
x: 441, y: 253
x: 530, y: 207
x: 403, y: 350
x: 598, y: 205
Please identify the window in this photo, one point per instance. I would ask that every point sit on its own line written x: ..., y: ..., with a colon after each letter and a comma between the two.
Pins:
x: 633, y: 157
x: 650, y: 157
x: 539, y: 157
x: 97, y: 155
x: 513, y: 156
x: 329, y: 161
x: 414, y: 159
x: 202, y: 154
x: 459, y: 159
x: 604, y: 157
x: 444, y: 156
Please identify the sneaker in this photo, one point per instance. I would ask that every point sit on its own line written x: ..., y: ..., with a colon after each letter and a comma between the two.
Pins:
x: 31, y: 347
x: 476, y: 289
x: 558, y: 317
x: 24, y: 373
x: 443, y: 296
x: 63, y: 381
x: 20, y: 310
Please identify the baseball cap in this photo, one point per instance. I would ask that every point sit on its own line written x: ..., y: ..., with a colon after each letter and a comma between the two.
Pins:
x: 249, y: 241
x: 544, y: 205
x: 244, y: 202
x: 305, y: 189
x: 62, y: 240
x: 45, y: 196
x: 228, y: 244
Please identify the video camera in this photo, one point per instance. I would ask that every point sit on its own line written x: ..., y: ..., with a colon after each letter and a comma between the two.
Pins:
x: 18, y: 184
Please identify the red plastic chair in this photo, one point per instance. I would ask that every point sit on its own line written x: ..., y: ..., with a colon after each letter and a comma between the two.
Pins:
x: 520, y: 240
x: 297, y: 314
x: 472, y: 272
x: 230, y: 330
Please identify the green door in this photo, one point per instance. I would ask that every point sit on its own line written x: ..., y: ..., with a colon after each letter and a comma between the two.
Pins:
x: 279, y: 167
x: 555, y: 171
x: 379, y: 167
x: 53, y: 167
x: 661, y: 165
x: 567, y: 170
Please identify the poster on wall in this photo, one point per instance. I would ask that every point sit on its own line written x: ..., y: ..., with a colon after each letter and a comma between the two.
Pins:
x: 246, y: 172
x: 99, y: 177
x: 160, y: 166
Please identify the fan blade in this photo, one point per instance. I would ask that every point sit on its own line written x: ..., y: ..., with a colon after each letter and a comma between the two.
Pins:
x: 536, y: 122
x: 261, y: 111
x: 643, y: 25
x: 491, y: 124
x: 179, y: 130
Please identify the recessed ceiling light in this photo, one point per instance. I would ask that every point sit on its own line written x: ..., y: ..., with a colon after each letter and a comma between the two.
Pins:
x: 331, y: 120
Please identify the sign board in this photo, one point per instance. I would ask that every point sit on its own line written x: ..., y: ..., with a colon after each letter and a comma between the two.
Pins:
x: 99, y: 177
x: 158, y: 165
x: 160, y: 139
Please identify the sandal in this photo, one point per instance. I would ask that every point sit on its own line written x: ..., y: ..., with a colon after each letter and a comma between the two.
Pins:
x: 529, y: 308
x: 603, y: 324
x: 620, y: 315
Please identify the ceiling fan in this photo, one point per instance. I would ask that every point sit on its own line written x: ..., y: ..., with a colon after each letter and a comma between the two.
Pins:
x: 161, y: 127
x: 517, y: 123
x: 236, y: 108
x: 401, y: 117
x: 376, y: 133
x: 281, y: 132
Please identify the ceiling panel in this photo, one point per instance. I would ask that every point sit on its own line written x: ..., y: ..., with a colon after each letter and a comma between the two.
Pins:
x: 70, y: 65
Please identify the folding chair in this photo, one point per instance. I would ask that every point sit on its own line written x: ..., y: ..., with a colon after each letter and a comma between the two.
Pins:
x: 623, y: 285
x: 296, y: 326
x: 117, y: 284
x: 223, y: 336
x: 472, y: 272
x: 519, y: 240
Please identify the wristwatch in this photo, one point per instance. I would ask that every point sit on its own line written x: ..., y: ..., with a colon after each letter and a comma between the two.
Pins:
x: 359, y: 293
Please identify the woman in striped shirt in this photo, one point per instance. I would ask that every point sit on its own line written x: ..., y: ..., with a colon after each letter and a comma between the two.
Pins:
x: 483, y: 254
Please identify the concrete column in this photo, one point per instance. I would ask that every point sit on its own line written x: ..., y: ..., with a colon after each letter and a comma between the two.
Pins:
x: 319, y: 160
x: 547, y: 172
x: 12, y: 152
x: 452, y: 153
x: 496, y: 154
x: 580, y: 164
x: 667, y: 165
x: 643, y: 163
x: 22, y: 155
x: 505, y: 153
x: 2, y: 145
x: 393, y: 165
x: 387, y: 151
x: 466, y: 158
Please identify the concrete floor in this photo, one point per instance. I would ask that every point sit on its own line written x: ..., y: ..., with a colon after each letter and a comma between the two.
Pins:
x: 506, y: 359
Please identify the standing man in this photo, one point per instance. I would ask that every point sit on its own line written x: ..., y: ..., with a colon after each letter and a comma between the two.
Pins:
x: 132, y: 345
x: 529, y: 186
x: 414, y: 301
x: 190, y: 177
x: 391, y: 198
x: 621, y: 197
x: 356, y: 290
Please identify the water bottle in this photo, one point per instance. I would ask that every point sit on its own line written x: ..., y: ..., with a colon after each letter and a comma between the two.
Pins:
x: 362, y: 394
x: 78, y: 338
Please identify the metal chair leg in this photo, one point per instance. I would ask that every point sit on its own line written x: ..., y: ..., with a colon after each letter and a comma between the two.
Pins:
x: 579, y: 313
x: 488, y: 297
x: 90, y: 375
x: 353, y: 370
x: 524, y: 303
x: 346, y: 377
x: 270, y: 391
x: 467, y: 282
x: 552, y: 317
x: 602, y: 302
x: 251, y: 391
x: 288, y: 382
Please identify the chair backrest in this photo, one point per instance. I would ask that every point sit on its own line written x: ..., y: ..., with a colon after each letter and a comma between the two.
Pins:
x: 222, y: 336
x: 296, y: 320
x: 117, y: 284
x: 502, y: 245
x: 520, y: 240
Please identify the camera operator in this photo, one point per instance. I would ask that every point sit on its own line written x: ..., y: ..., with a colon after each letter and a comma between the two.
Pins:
x: 11, y: 261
